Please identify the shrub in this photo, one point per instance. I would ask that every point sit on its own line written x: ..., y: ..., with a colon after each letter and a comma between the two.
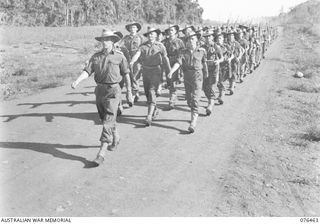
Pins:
x: 20, y: 72
x: 305, y: 88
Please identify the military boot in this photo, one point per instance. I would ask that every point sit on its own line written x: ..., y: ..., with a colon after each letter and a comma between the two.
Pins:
x: 194, y: 117
x: 115, y: 142
x: 210, y: 107
x: 151, y: 109
x: 172, y: 101
x: 136, y: 97
x: 129, y: 98
x: 120, y: 109
x: 101, y: 154
x: 156, y: 113
x: 221, y: 94
x: 232, y: 86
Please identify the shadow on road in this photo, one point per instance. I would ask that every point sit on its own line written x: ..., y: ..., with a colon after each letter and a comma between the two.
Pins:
x: 80, y: 93
x: 71, y: 103
x: 51, y: 149
x: 50, y: 116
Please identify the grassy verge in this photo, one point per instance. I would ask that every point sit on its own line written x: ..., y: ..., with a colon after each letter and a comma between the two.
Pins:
x: 36, y: 58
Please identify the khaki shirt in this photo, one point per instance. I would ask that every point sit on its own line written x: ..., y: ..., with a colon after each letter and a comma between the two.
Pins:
x: 153, y: 55
x: 132, y: 43
x: 173, y: 48
x: 213, y: 53
x: 235, y: 48
x: 196, y: 60
x: 244, y: 43
x: 107, y: 68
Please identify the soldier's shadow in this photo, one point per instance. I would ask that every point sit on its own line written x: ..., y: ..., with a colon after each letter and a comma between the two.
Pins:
x: 139, y: 122
x: 51, y: 149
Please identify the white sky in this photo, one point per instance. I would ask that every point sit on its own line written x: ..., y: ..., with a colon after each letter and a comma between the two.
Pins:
x: 222, y: 10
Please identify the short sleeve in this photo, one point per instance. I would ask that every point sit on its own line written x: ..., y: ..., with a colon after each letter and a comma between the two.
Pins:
x: 124, y: 68
x: 163, y: 50
x: 89, y: 67
x: 180, y: 57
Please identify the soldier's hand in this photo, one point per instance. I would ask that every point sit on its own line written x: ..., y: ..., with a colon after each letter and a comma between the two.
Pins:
x: 74, y: 85
x: 169, y: 75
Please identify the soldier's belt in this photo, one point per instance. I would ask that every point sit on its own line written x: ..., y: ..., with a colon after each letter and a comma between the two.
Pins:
x: 151, y: 67
x: 191, y: 69
x: 108, y: 84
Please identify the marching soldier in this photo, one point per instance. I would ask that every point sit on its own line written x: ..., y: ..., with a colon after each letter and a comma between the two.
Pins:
x: 258, y: 48
x: 264, y: 42
x: 244, y: 58
x: 152, y: 55
x: 251, y: 54
x: 225, y: 65
x: 173, y: 46
x: 126, y: 53
x: 108, y: 67
x: 187, y: 31
x: 132, y: 42
x: 237, y: 52
x: 214, y: 58
x: 193, y: 63
x: 202, y: 40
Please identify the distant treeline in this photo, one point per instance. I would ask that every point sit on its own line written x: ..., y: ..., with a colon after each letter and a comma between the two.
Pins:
x: 97, y: 12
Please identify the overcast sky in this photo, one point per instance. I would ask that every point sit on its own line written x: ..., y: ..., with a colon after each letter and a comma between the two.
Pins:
x: 244, y: 9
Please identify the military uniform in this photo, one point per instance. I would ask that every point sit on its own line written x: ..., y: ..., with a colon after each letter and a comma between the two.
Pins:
x: 132, y: 43
x: 225, y: 70
x: 244, y: 59
x: 258, y: 50
x: 108, y: 69
x: 152, y: 57
x: 173, y: 48
x: 214, y: 53
x: 251, y: 54
x: 195, y: 69
x: 235, y: 49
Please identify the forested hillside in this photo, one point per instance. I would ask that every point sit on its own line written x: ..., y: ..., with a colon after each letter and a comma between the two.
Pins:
x: 97, y: 12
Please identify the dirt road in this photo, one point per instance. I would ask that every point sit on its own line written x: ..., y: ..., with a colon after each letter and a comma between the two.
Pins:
x: 48, y: 140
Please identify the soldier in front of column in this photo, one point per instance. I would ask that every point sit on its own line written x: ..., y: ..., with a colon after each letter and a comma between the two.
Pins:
x: 214, y: 58
x: 237, y: 52
x: 108, y: 66
x: 132, y: 42
x: 193, y: 63
x: 153, y: 56
x: 173, y: 46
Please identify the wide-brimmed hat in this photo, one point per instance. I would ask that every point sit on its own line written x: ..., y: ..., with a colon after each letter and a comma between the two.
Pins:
x: 170, y: 26
x: 150, y: 30
x: 192, y: 27
x: 119, y: 34
x: 194, y: 34
x: 243, y: 27
x: 108, y: 35
x: 230, y: 33
x: 133, y: 24
x: 209, y: 33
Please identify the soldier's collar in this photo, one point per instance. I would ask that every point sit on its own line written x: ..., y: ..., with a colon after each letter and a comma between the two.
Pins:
x: 105, y: 52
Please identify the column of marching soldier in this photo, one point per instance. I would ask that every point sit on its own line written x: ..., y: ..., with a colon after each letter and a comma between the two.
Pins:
x: 204, y: 59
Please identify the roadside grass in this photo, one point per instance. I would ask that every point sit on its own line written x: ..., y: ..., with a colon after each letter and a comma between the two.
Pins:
x: 305, y: 87
x: 37, y: 58
x: 306, y: 104
x: 313, y: 133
